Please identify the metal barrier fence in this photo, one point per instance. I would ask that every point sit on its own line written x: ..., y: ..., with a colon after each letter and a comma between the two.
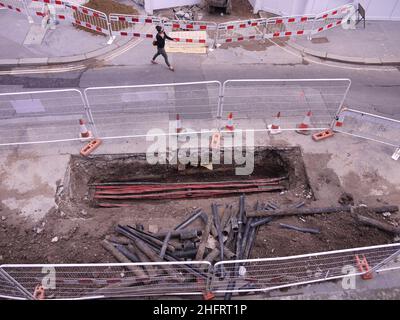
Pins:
x: 368, y: 126
x: 41, y: 116
x: 332, y: 18
x: 257, y: 275
x: 289, y: 26
x: 96, y: 281
x: 207, y: 36
x: 88, y: 18
x: 233, y: 31
x: 131, y: 25
x: 129, y: 111
x: 256, y: 103
x: 191, y: 278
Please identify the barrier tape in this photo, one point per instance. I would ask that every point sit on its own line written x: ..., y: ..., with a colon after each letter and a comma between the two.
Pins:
x: 133, y: 34
x: 57, y: 2
x: 87, y: 11
x: 135, y: 19
x: 289, y: 20
x: 10, y: 7
x: 242, y: 24
x: 90, y: 26
x: 192, y: 25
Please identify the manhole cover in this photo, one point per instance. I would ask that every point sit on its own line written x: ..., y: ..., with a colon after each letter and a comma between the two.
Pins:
x: 320, y: 40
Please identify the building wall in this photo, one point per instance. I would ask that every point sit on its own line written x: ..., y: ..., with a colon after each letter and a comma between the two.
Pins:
x: 375, y: 9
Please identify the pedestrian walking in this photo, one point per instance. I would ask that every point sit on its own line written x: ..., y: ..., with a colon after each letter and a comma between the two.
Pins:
x: 160, y: 43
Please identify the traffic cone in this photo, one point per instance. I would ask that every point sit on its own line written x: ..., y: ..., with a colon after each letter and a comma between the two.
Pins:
x: 84, y: 132
x: 178, y: 124
x: 339, y: 120
x: 229, y: 125
x: 305, y: 125
x: 275, y: 127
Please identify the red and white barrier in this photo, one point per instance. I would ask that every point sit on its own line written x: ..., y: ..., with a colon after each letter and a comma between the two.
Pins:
x: 236, y: 25
x: 135, y: 19
x: 14, y: 5
x: 252, y: 29
x: 190, y: 25
x: 332, y: 18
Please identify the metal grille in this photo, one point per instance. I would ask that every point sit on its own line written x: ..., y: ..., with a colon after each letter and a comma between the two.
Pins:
x: 129, y: 111
x: 368, y: 126
x: 95, y: 281
x: 133, y: 25
x: 40, y: 116
x: 233, y: 31
x: 256, y: 103
x: 9, y: 289
x: 88, y: 18
x: 266, y: 274
x: 332, y: 18
x: 289, y: 26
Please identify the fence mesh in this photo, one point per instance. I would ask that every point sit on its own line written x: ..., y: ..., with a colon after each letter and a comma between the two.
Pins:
x: 129, y: 111
x: 233, y: 31
x: 8, y: 289
x: 256, y: 103
x: 368, y: 126
x: 267, y: 274
x: 40, y: 116
x: 113, y: 280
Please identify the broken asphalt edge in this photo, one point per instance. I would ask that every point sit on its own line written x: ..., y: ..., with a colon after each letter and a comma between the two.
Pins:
x: 345, y: 59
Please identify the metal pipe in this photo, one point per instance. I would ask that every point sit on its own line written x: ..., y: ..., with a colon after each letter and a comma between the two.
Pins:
x: 189, y: 220
x: 245, y: 236
x: 307, y: 230
x: 217, y: 223
x: 165, y: 245
x: 182, y: 234
x: 261, y: 222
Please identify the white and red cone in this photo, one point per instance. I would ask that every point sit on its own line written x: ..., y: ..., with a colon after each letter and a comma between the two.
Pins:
x: 304, y: 126
x: 275, y: 127
x: 229, y: 125
x: 84, y: 132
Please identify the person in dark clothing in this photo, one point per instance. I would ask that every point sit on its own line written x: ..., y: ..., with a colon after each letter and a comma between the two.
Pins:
x: 160, y: 43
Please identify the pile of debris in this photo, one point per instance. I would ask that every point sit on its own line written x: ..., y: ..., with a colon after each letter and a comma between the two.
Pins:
x: 121, y: 194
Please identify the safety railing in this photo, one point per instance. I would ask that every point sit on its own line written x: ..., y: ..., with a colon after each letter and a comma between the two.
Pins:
x: 368, y: 126
x: 192, y: 278
x: 132, y: 111
x: 96, y: 281
x: 192, y: 32
x: 257, y: 275
x: 290, y: 26
x: 257, y: 103
x: 41, y: 116
x: 132, y: 25
x: 332, y: 18
x: 234, y: 31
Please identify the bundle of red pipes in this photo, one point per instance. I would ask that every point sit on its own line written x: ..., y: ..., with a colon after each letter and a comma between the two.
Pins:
x: 118, y: 193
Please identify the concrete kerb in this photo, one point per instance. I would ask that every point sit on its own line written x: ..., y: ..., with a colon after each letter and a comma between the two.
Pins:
x: 45, y: 61
x: 345, y: 59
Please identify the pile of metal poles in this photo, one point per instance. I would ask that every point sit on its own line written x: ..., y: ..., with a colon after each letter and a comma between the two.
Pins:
x: 122, y: 194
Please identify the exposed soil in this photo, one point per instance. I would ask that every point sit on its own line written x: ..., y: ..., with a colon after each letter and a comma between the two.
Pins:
x: 79, y: 228
x: 110, y: 6
x: 337, y: 231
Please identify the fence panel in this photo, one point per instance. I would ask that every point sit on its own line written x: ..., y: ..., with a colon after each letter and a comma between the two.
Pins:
x: 289, y: 26
x: 41, y: 116
x: 368, y: 126
x: 95, y: 281
x: 130, y: 111
x: 207, y: 36
x: 17, y: 6
x: 133, y: 25
x: 233, y: 31
x: 9, y: 289
x: 332, y: 18
x: 256, y: 103
x: 88, y: 18
x: 257, y: 275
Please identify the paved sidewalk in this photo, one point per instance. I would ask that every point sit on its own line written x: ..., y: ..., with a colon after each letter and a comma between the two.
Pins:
x: 65, y: 44
x: 377, y: 44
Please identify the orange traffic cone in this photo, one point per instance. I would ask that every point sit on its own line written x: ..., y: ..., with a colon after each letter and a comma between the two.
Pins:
x: 229, y: 125
x: 303, y: 128
x: 178, y: 124
x: 275, y: 127
x: 84, y: 132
